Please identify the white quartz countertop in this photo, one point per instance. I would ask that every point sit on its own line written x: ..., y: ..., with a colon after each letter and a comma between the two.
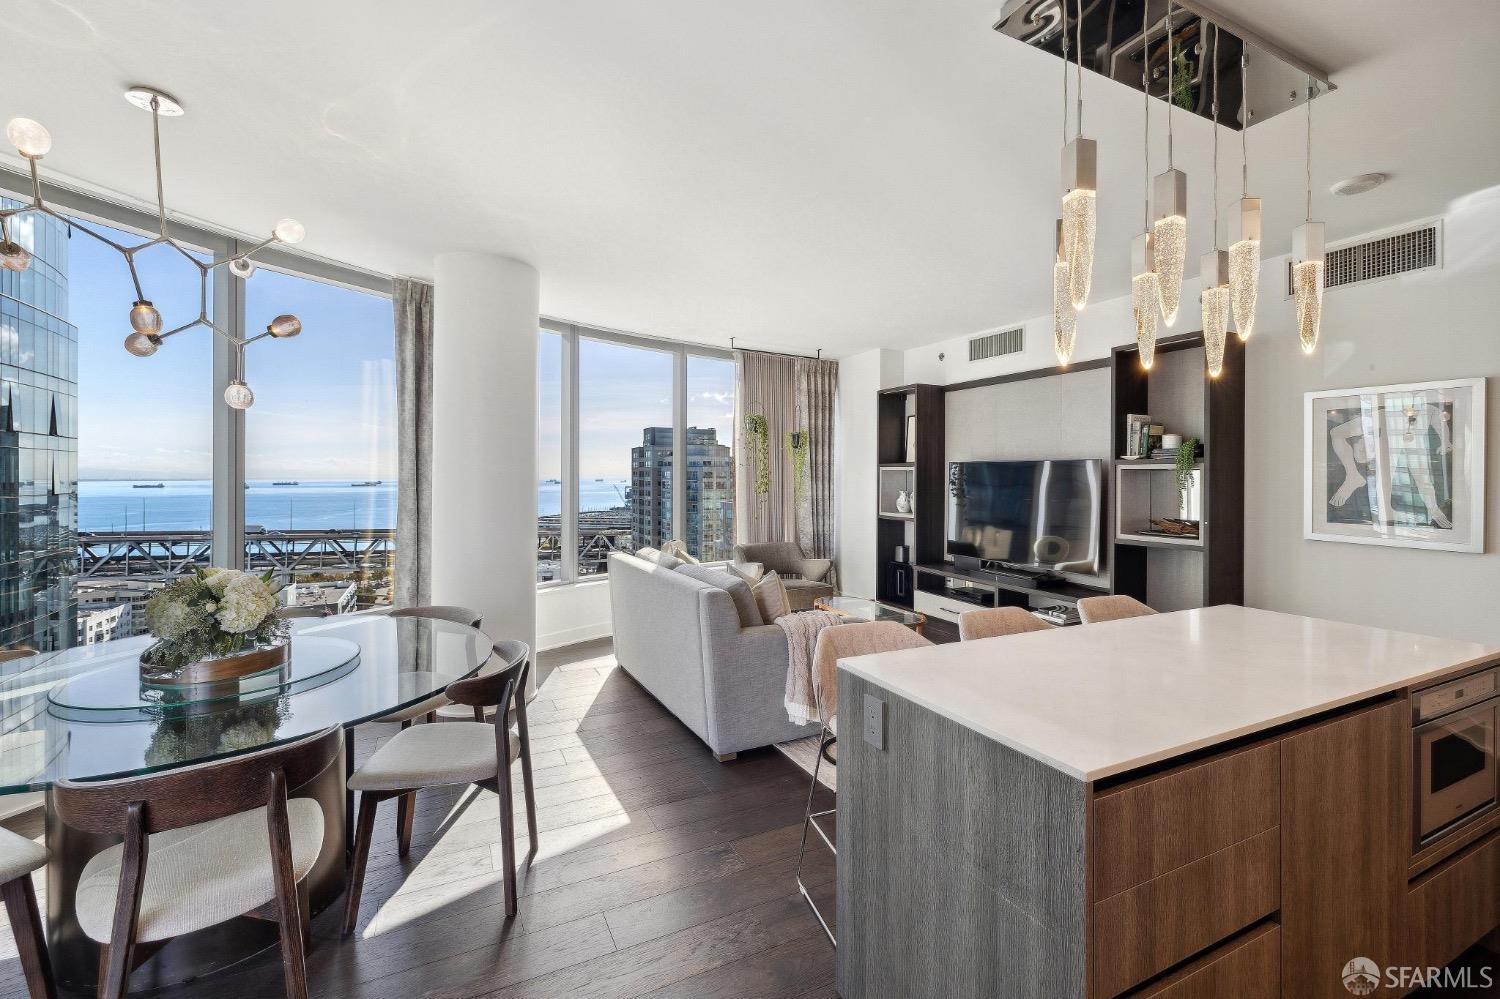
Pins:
x: 1101, y: 699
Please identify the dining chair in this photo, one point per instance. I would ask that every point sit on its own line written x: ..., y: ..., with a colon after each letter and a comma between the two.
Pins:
x: 203, y: 844
x: 1097, y: 610
x: 426, y: 709
x: 993, y: 622
x: 834, y: 643
x: 454, y: 753
x: 19, y: 857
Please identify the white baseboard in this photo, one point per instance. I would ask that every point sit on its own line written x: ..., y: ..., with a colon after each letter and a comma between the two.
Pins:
x: 572, y: 636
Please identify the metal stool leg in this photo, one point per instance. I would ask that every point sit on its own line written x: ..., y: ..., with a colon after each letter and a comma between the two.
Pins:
x: 810, y: 819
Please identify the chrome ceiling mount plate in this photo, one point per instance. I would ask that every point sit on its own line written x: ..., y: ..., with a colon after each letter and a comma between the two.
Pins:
x: 166, y: 105
x: 1112, y: 46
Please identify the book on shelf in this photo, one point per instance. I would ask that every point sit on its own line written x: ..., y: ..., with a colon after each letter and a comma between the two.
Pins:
x: 1137, y: 435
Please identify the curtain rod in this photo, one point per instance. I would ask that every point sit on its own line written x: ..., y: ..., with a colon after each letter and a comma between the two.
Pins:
x: 780, y: 353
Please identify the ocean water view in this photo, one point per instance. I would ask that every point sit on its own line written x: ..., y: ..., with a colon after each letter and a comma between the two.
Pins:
x: 185, y: 504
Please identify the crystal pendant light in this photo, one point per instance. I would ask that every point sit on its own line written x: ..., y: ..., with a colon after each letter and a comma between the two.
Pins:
x: 1215, y: 264
x: 1080, y: 184
x: 1169, y: 194
x: 1145, y: 289
x: 1307, y: 257
x: 1064, y: 316
x: 1244, y: 255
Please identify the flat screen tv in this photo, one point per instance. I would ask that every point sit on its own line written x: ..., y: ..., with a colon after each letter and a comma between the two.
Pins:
x: 1044, y: 515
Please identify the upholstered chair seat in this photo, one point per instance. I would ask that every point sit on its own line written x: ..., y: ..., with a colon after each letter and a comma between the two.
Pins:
x: 19, y: 856
x: 993, y: 622
x: 433, y: 755
x: 200, y: 875
x: 1115, y: 607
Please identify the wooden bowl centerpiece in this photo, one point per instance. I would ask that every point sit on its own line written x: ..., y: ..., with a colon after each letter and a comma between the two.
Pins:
x: 214, y: 626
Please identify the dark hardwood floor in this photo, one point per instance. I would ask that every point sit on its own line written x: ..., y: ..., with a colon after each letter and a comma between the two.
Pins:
x: 661, y: 873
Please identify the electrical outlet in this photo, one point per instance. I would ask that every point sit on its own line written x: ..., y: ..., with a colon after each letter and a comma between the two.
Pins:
x: 875, y: 721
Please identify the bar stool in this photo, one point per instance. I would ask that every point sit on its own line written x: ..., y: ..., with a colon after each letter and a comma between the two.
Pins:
x: 993, y: 622
x: 840, y: 641
x: 20, y: 856
x: 1097, y: 610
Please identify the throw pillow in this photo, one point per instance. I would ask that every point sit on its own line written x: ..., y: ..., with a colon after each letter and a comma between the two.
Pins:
x: 750, y: 572
x: 770, y: 597
x: 679, y: 551
x: 660, y: 558
x: 738, y: 590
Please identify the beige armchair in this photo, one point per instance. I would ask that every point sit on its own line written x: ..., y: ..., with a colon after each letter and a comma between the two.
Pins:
x: 804, y: 577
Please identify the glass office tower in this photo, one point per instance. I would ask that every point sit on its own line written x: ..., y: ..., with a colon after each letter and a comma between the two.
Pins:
x: 38, y: 443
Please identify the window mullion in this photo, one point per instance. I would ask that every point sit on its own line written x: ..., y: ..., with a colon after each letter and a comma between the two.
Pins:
x: 569, y: 404
x: 228, y: 423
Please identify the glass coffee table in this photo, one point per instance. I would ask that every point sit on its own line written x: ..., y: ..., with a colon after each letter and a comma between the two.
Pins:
x: 862, y: 609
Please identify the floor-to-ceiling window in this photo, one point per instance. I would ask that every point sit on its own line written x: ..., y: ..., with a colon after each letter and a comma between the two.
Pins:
x: 320, y: 442
x: 615, y: 411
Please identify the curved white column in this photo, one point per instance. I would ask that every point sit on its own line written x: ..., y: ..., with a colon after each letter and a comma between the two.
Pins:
x: 484, y: 440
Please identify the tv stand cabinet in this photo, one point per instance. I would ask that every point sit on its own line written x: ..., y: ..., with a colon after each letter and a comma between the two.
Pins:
x: 944, y: 592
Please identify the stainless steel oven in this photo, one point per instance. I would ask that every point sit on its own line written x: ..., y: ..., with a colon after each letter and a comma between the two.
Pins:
x: 1454, y: 753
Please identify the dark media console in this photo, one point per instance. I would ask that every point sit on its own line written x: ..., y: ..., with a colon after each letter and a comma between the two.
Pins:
x: 1000, y: 572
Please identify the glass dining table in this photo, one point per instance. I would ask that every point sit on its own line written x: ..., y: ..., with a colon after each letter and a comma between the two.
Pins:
x: 85, y: 714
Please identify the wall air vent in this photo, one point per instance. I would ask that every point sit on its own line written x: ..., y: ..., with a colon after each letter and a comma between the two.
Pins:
x: 1415, y: 248
x: 982, y: 348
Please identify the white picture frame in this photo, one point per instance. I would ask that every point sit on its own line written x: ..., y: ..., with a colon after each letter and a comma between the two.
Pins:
x: 1396, y: 465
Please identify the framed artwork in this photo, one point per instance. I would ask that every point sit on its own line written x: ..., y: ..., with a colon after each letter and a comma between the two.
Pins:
x: 1398, y: 465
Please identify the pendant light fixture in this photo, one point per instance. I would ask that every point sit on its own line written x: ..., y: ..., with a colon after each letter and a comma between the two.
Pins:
x: 1244, y: 255
x: 1169, y: 190
x: 1307, y: 256
x: 1215, y: 263
x: 1080, y: 184
x: 1064, y: 316
x: 1145, y: 289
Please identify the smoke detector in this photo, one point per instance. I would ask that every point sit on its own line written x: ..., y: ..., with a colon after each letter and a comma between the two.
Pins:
x: 1358, y: 185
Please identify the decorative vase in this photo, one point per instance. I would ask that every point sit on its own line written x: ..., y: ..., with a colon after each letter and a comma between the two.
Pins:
x: 903, y: 502
x: 217, y: 669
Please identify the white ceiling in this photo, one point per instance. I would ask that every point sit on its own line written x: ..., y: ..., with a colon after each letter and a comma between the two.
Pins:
x: 838, y: 173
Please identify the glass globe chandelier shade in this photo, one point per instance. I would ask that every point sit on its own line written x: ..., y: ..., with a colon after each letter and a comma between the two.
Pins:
x: 289, y: 231
x: 1144, y: 299
x: 142, y: 344
x: 144, y: 318
x: 286, y: 326
x: 14, y: 256
x: 1215, y: 302
x: 237, y: 395
x: 30, y: 138
x: 242, y: 267
x: 1169, y: 239
x: 1080, y: 215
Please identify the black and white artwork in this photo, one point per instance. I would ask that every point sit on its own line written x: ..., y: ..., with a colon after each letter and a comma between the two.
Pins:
x: 1397, y: 465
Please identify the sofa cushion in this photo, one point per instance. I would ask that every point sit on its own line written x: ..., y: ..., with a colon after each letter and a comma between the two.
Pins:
x: 679, y: 551
x: 660, y: 558
x: 738, y: 589
x: 750, y: 572
x: 771, y: 598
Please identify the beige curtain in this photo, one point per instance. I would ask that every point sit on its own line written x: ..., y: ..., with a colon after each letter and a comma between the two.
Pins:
x: 793, y: 395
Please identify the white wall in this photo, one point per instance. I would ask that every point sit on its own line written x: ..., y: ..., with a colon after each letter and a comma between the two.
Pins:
x: 571, y: 613
x: 860, y: 378
x: 1435, y: 324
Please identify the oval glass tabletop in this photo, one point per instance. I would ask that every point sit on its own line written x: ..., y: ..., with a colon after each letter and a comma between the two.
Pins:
x: 83, y: 713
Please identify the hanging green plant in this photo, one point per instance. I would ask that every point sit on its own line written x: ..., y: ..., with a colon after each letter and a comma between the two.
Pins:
x: 1187, y: 458
x: 759, y: 433
x: 799, y: 446
x: 1182, y: 82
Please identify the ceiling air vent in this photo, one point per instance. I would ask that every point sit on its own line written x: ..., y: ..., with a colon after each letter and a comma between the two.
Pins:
x: 1413, y: 249
x: 982, y: 348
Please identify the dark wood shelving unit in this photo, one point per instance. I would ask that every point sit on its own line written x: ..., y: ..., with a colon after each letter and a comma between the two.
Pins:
x: 1221, y: 548
x: 923, y: 529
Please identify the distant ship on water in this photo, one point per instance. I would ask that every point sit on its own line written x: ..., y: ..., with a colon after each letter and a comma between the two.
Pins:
x: 367, y: 482
x: 291, y: 483
x: 149, y: 485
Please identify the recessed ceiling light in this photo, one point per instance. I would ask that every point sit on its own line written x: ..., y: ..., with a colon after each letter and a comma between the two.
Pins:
x: 1358, y: 185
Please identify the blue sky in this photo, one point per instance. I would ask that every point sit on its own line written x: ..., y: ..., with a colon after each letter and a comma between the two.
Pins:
x: 325, y: 401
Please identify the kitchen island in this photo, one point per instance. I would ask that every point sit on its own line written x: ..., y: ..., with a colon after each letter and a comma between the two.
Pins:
x: 1213, y: 802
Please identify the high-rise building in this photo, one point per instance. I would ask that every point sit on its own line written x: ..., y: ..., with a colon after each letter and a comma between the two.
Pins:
x: 710, y: 491
x: 38, y: 442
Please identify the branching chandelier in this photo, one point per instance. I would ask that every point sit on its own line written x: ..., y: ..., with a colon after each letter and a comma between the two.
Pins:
x: 33, y: 142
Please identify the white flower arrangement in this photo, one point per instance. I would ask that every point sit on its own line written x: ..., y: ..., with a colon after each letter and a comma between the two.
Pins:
x: 213, y: 612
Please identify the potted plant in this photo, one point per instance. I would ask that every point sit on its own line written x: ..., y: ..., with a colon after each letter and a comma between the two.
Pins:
x: 216, y: 624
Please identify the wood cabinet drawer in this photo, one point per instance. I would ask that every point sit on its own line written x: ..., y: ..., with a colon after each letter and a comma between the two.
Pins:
x: 1247, y: 968
x: 943, y: 608
x: 1452, y: 908
x: 1144, y: 830
x: 1145, y: 930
